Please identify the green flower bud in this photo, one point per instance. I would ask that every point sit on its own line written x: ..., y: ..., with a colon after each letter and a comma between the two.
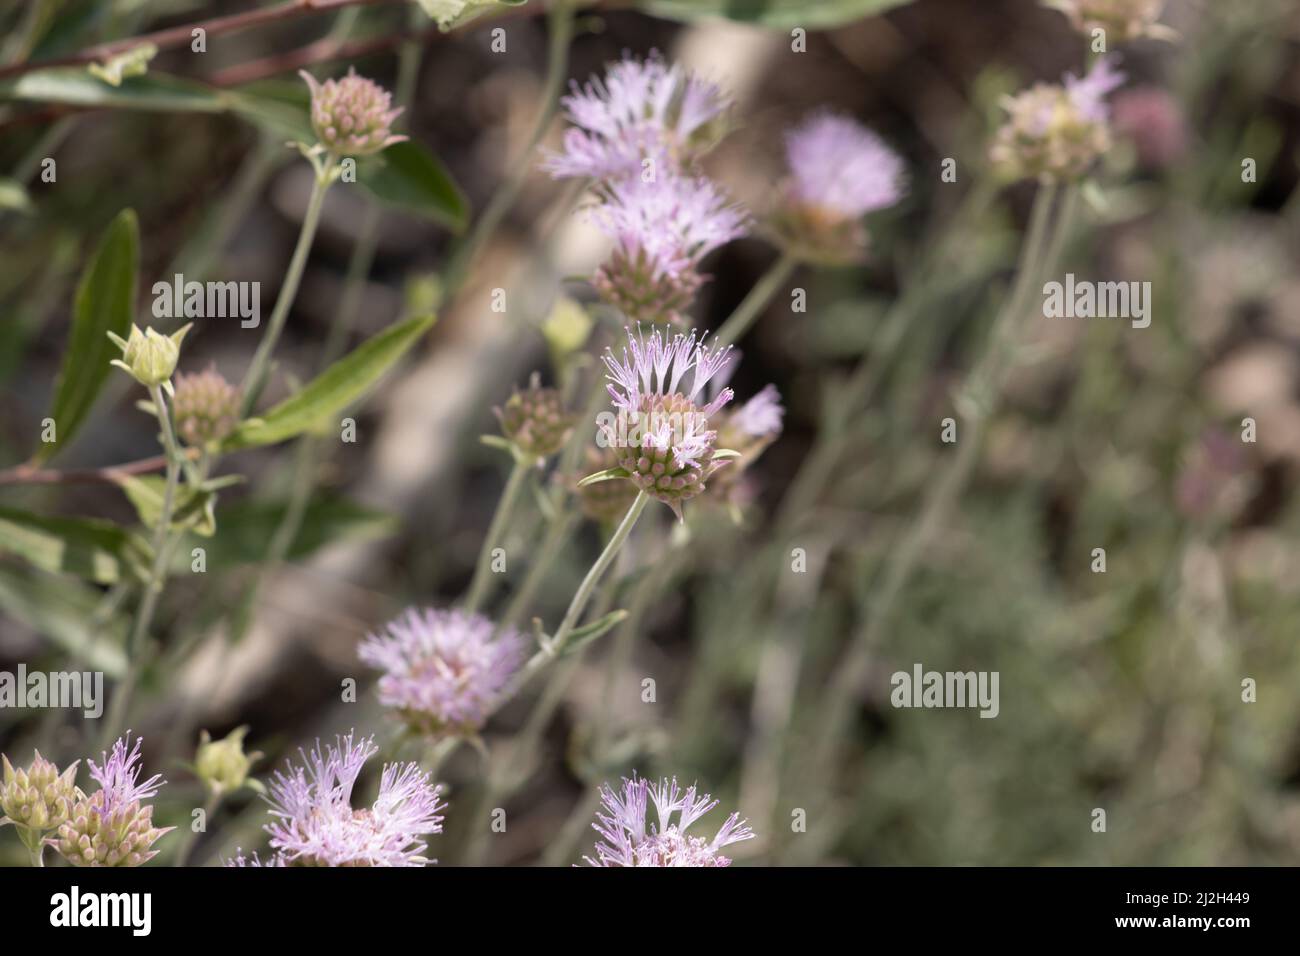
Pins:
x: 222, y: 764
x: 93, y: 837
x: 37, y: 799
x: 149, y: 357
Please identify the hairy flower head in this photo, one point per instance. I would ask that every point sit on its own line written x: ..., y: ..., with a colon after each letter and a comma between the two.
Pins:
x: 1057, y: 131
x: 660, y: 429
x: 662, y: 228
x: 1122, y: 20
x: 315, y: 824
x: 535, y: 421
x: 839, y: 172
x: 630, y: 839
x: 643, y: 110
x: 113, y: 826
x: 442, y: 668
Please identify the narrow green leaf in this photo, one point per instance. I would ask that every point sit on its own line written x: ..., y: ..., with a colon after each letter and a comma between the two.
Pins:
x: 410, y: 178
x: 333, y: 390
x: 588, y: 633
x: 89, y: 548
x: 609, y: 474
x: 104, y: 302
x: 61, y: 610
x: 244, y: 529
x: 155, y: 91
x: 778, y: 14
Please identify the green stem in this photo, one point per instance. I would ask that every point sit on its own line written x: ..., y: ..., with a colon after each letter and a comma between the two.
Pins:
x: 588, y: 585
x: 557, y: 67
x: 480, y: 585
x: 157, y: 572
x: 255, y: 379
x: 187, y: 845
x: 758, y: 298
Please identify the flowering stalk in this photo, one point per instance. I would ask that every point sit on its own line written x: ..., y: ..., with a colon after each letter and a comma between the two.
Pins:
x: 597, y: 570
x: 162, y: 545
x: 255, y: 379
x: 479, y: 585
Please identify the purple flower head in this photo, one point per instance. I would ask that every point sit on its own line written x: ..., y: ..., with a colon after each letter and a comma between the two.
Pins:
x: 443, y: 668
x: 119, y: 776
x: 1089, y: 94
x: 113, y: 826
x: 662, y: 229
x: 1057, y: 131
x: 761, y: 416
x: 643, y: 109
x: 629, y: 839
x: 842, y: 168
x: 315, y: 824
x: 661, y: 431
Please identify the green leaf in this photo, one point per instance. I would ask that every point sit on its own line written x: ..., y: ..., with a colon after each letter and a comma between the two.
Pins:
x: 246, y: 526
x: 193, y: 509
x: 410, y: 178
x: 454, y: 13
x: 104, y: 302
x: 588, y: 633
x: 155, y: 91
x: 778, y: 14
x: 133, y: 62
x: 96, y: 550
x: 609, y: 474
x: 333, y: 390
x: 61, y: 610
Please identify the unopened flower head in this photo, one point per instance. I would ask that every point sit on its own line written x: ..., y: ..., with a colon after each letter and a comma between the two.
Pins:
x: 352, y: 116
x: 113, y: 826
x: 316, y: 825
x: 630, y: 839
x: 443, y: 669
x: 642, y: 112
x: 205, y: 407
x: 222, y: 764
x: 535, y: 421
x: 661, y: 428
x: 662, y: 228
x: 1121, y: 20
x: 149, y: 357
x: 37, y: 798
x: 839, y: 172
x: 1057, y: 131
